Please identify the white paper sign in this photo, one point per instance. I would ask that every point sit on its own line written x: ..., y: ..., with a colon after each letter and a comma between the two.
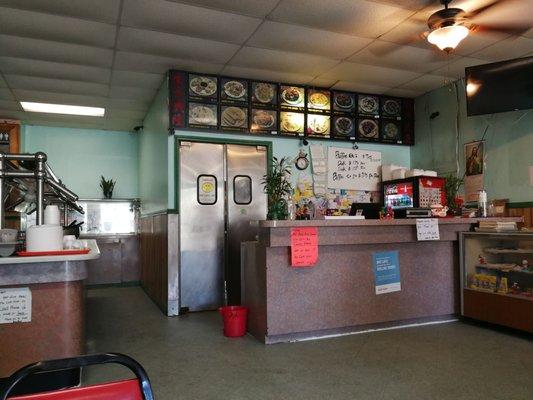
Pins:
x: 427, y: 229
x: 15, y: 305
x: 354, y: 169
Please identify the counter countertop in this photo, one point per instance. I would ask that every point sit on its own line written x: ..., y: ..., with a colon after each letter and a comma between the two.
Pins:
x: 90, y: 243
x: 374, y: 222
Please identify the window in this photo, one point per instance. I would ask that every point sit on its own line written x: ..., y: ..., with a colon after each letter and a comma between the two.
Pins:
x: 206, y: 189
x: 242, y: 189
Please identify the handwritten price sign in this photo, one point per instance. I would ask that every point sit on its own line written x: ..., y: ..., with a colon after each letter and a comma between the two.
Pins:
x: 304, y: 247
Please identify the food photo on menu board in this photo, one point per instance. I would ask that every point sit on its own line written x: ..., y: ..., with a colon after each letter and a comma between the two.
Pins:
x: 291, y: 123
x: 292, y: 97
x: 391, y: 131
x: 234, y: 117
x: 202, y: 115
x: 318, y: 125
x: 318, y: 99
x: 367, y: 129
x: 391, y: 108
x: 264, y: 120
x: 367, y: 104
x: 343, y: 127
x: 264, y: 93
x: 344, y: 102
x: 233, y: 90
x: 203, y: 88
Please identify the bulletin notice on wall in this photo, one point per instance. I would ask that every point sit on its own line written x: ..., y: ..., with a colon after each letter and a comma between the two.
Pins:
x: 354, y: 169
x: 386, y: 272
x: 15, y: 305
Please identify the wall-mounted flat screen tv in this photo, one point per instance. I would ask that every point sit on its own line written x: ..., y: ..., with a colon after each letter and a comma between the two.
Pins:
x: 499, y: 87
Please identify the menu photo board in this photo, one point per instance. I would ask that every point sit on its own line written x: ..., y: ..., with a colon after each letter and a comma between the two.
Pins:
x: 318, y: 100
x: 233, y: 91
x: 367, y: 129
x: 391, y: 108
x: 292, y: 97
x: 343, y: 103
x: 318, y: 125
x: 391, y: 131
x: 343, y: 127
x: 255, y: 107
x: 291, y: 123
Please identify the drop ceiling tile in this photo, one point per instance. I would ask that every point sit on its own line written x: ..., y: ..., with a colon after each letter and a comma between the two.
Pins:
x: 47, y: 69
x: 169, y: 45
x: 266, y: 75
x: 456, y: 69
x: 507, y: 49
x: 528, y: 34
x: 360, y: 87
x: 129, y: 104
x: 387, y: 54
x: 400, y: 92
x: 11, y: 114
x: 2, y: 82
x: 409, y: 4
x: 59, y: 98
x: 99, y: 10
x: 300, y: 39
x: 52, y: 27
x: 252, y: 57
x: 361, y: 18
x: 187, y: 20
x: 255, y: 8
x: 126, y: 92
x: 369, y: 74
x: 5, y: 94
x: 160, y: 65
x: 56, y: 85
x: 137, y: 79
x: 320, y: 82
x: 10, y: 105
x: 427, y: 82
x: 476, y: 41
x: 14, y: 46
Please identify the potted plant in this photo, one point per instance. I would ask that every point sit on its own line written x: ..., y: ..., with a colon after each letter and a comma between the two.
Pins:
x: 277, y: 186
x: 107, y: 187
x: 451, y: 186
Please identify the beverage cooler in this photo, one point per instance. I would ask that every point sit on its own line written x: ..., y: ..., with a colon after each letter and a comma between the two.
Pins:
x: 414, y: 192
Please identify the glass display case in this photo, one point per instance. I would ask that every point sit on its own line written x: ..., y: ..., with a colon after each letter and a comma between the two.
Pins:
x: 497, y: 278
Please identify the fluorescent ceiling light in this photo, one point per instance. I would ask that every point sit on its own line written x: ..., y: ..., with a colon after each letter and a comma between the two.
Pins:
x: 448, y: 37
x: 62, y: 109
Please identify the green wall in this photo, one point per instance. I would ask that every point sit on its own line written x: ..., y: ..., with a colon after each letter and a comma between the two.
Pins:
x: 80, y: 156
x: 508, y: 148
x: 391, y: 154
x: 153, y: 155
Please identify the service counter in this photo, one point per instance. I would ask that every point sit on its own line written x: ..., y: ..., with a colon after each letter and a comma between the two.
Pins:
x: 337, y: 295
x: 52, y: 288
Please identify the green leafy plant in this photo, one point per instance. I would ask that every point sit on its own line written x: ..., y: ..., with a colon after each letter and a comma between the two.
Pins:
x: 276, y: 184
x: 452, y: 186
x: 107, y: 187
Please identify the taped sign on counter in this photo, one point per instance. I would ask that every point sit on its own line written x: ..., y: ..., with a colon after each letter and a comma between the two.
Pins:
x: 15, y: 305
x: 304, y: 247
x: 427, y: 229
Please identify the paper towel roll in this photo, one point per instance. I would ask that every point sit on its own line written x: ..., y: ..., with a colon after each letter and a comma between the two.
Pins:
x: 51, y: 215
x: 44, y: 238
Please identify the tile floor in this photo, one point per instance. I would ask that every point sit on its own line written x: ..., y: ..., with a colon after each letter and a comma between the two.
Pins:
x: 188, y: 358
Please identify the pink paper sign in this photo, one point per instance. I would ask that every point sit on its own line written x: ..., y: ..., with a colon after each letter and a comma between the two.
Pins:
x: 304, y: 247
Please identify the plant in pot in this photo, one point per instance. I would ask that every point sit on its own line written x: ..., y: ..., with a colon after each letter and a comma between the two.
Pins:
x: 277, y: 186
x: 107, y: 186
x: 452, y: 186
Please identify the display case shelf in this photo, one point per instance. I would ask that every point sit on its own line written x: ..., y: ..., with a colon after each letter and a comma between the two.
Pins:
x: 497, y: 284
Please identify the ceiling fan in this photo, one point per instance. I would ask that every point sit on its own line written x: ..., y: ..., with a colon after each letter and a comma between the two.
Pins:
x: 449, y: 26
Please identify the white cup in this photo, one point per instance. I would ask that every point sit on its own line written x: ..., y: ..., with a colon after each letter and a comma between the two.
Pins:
x: 51, y: 215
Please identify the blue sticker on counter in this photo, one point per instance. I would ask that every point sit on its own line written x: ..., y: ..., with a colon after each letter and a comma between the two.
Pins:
x: 386, y: 272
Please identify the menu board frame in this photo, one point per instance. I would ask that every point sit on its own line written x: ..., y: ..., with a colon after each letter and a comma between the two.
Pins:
x: 180, y: 100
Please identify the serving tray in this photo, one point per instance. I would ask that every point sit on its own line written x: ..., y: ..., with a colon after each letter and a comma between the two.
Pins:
x: 52, y: 253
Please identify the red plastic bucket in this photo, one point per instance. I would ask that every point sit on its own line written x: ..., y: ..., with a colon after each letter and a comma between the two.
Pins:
x: 234, y: 320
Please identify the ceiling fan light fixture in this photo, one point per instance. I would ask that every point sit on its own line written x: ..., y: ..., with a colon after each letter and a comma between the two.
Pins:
x: 448, y: 37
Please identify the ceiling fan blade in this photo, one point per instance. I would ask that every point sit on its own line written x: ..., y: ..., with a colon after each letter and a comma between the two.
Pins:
x: 516, y: 30
x: 486, y: 7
